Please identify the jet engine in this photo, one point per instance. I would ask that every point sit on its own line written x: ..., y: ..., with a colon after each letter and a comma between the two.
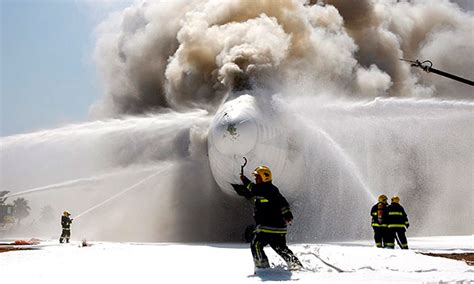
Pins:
x: 242, y: 128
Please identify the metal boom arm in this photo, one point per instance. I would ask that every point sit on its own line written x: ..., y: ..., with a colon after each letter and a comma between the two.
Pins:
x: 427, y: 66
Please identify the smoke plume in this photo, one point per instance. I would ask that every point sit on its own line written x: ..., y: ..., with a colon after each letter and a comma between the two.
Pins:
x: 185, y: 54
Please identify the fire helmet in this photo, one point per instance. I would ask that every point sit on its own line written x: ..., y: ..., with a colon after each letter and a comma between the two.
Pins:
x: 395, y: 199
x: 264, y: 172
x: 382, y: 198
x: 66, y: 213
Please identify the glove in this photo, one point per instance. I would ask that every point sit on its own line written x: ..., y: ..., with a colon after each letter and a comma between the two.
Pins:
x: 288, y: 217
x: 407, y: 225
x: 244, y: 180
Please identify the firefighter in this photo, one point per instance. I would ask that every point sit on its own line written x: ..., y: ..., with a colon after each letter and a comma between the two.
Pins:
x: 379, y: 213
x: 397, y: 223
x: 66, y: 225
x: 272, y: 215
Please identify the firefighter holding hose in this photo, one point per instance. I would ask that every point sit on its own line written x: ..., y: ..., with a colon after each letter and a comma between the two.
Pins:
x: 66, y: 225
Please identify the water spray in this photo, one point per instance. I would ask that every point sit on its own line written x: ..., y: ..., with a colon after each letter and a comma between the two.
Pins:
x: 66, y: 185
x: 120, y: 193
x: 69, y: 184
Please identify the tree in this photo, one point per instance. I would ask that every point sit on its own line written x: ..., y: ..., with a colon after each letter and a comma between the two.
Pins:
x: 46, y: 214
x: 6, y: 210
x: 22, y: 210
x: 2, y: 194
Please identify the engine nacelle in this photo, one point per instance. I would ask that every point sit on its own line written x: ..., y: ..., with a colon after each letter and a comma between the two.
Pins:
x: 242, y: 129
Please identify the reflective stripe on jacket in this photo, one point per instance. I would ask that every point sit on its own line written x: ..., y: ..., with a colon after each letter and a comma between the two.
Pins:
x: 397, y: 217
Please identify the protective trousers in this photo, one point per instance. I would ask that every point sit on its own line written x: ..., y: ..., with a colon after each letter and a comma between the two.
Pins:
x: 278, y: 243
x: 381, y: 238
x: 400, y: 234
x: 65, y: 235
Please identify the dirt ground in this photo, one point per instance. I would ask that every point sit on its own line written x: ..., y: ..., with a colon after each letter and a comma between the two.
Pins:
x: 5, y: 248
x: 466, y: 257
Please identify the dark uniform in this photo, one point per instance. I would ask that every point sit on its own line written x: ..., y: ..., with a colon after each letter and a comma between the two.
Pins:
x: 397, y: 222
x: 66, y: 225
x: 379, y: 213
x: 271, y: 214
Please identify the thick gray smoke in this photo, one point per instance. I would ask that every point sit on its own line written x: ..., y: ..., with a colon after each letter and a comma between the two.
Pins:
x: 388, y: 30
x: 183, y: 54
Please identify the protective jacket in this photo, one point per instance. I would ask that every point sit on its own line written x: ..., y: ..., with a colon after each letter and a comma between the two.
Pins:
x: 397, y: 218
x: 379, y: 213
x: 271, y: 209
x: 66, y: 222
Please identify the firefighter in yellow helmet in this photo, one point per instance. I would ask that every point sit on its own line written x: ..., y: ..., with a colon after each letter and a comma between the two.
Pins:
x: 397, y: 223
x: 272, y: 215
x: 379, y: 213
x: 66, y: 225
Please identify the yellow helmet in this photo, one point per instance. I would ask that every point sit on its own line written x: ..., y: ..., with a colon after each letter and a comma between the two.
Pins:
x: 382, y: 198
x: 66, y: 213
x: 395, y: 199
x: 264, y: 172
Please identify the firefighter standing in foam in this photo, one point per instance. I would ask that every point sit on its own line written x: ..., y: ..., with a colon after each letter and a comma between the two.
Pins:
x: 397, y: 223
x: 66, y: 225
x: 272, y: 214
x: 379, y: 213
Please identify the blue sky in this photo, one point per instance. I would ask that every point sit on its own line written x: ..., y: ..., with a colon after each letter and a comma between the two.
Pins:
x: 48, y: 77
